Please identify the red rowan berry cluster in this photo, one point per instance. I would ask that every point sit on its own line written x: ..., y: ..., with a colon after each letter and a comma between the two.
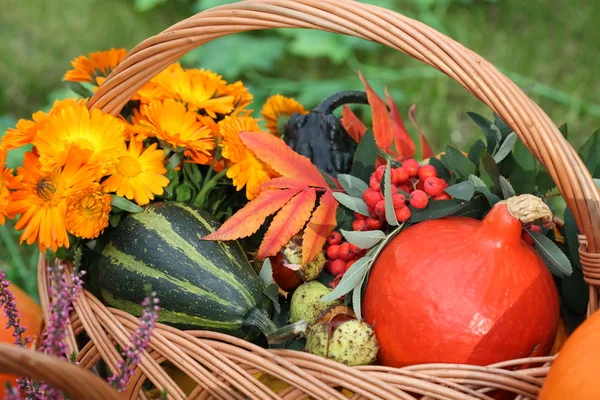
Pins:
x: 340, y: 254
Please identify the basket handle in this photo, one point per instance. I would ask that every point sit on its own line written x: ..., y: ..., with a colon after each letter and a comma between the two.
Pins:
x: 373, y: 23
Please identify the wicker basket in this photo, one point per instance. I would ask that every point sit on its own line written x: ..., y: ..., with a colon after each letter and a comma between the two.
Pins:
x: 224, y: 367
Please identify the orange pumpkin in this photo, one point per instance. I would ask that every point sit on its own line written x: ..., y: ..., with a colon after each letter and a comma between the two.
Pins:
x: 574, y: 374
x: 460, y: 290
x: 31, y: 318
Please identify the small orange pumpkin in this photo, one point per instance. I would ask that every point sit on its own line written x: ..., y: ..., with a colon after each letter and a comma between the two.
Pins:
x: 574, y: 374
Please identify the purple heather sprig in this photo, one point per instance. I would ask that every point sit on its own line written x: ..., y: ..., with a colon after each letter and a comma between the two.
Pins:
x: 139, y: 340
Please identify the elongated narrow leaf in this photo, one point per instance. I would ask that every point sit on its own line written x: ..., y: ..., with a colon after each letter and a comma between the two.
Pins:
x: 555, y: 259
x: 503, y: 127
x: 357, y: 301
x: 458, y: 163
x: 489, y: 171
x: 284, y: 183
x: 272, y: 293
x: 590, y: 153
x: 486, y: 127
x: 365, y: 157
x: 506, y: 148
x: 475, y: 151
x: 266, y: 272
x: 354, y: 203
x: 482, y: 188
x: 279, y: 156
x: 564, y: 129
x: 352, y: 185
x: 354, y: 126
x: 426, y: 151
x: 288, y: 221
x: 436, y: 210
x: 124, y: 204
x: 351, y: 279
x: 571, y: 232
x: 507, y: 189
x: 319, y: 227
x: 390, y: 214
x: 403, y: 143
x: 462, y: 191
x: 363, y: 239
x: 247, y: 220
x: 382, y: 125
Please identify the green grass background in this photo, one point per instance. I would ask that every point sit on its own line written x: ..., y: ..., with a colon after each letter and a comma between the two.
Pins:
x: 550, y: 43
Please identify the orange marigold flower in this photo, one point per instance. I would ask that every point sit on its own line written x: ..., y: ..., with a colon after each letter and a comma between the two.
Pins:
x: 172, y: 123
x: 26, y: 130
x: 7, y: 181
x: 136, y: 130
x: 87, y: 212
x: 139, y: 174
x: 242, y: 98
x: 160, y: 87
x: 98, y: 137
x: 41, y: 199
x: 95, y: 65
x: 245, y: 169
x: 275, y: 107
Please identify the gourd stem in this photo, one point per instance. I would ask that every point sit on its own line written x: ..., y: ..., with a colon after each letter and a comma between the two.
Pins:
x: 528, y: 208
x: 259, y: 319
x: 338, y: 99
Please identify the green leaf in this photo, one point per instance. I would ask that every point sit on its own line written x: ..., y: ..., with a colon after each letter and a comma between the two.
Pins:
x: 590, y: 153
x: 564, y: 129
x: 456, y: 162
x: 523, y: 181
x: 571, y: 232
x: 486, y: 127
x: 363, y: 239
x: 575, y: 292
x: 272, y: 292
x: 555, y: 259
x: 328, y: 179
x: 462, y: 191
x: 482, y: 188
x: 352, y: 185
x: 507, y: 189
x: 524, y: 158
x: 504, y: 129
x: 266, y: 272
x: 390, y: 214
x: 506, y: 147
x: 544, y: 181
x: 489, y: 171
x: 435, y: 210
x: 125, y: 205
x: 357, y: 300
x: 475, y: 151
x: 365, y: 157
x: 114, y: 219
x: 80, y: 89
x: 174, y: 161
x: 344, y: 218
x: 353, y: 203
x: 351, y: 279
x: 184, y: 193
x: 440, y: 168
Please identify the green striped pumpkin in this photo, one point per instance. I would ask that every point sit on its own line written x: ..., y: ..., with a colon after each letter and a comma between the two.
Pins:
x: 205, y: 285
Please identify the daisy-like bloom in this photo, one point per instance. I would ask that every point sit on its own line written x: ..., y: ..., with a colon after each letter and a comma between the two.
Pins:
x: 139, y: 174
x: 245, y: 169
x: 160, y: 87
x: 26, y: 130
x: 172, y: 123
x: 275, y: 107
x: 7, y: 181
x: 95, y: 65
x: 136, y: 130
x: 98, y: 137
x: 41, y: 199
x: 242, y: 98
x: 200, y: 89
x: 87, y: 212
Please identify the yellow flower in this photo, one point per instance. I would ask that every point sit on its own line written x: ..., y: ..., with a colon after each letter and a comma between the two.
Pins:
x: 98, y: 137
x: 245, y: 169
x: 199, y: 89
x: 275, y: 107
x: 41, y: 199
x: 95, y: 65
x: 172, y: 123
x: 7, y: 181
x: 87, y: 212
x: 136, y: 130
x: 26, y: 130
x: 160, y: 87
x: 242, y: 98
x: 139, y: 174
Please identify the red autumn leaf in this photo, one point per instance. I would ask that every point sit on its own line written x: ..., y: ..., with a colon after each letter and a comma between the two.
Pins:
x: 247, y: 220
x: 284, y: 183
x: 354, y: 126
x: 288, y: 221
x: 382, y: 126
x: 426, y: 151
x: 403, y: 143
x: 279, y: 156
x: 320, y: 225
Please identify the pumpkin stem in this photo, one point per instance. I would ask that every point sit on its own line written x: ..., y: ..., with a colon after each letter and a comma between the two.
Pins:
x: 529, y: 208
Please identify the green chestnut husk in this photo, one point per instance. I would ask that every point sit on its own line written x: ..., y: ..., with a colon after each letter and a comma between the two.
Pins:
x: 292, y: 253
x: 306, y: 302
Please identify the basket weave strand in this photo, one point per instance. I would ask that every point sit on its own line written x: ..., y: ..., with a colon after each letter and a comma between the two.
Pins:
x: 224, y: 367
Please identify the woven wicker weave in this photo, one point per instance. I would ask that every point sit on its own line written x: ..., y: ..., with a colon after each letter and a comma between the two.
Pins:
x: 224, y: 367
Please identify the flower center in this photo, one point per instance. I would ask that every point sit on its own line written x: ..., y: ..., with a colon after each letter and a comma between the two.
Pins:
x: 90, y: 207
x: 128, y: 166
x: 45, y: 188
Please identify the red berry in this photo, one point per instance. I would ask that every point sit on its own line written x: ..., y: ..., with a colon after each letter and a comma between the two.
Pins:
x: 371, y: 197
x: 419, y: 199
x: 411, y: 166
x: 359, y: 224
x: 420, y: 185
x: 398, y: 200
x: 334, y: 238
x: 380, y: 208
x: 399, y: 176
x: 379, y: 173
x: 426, y: 171
x: 354, y: 250
x: 375, y: 223
x: 359, y: 216
x: 349, y: 264
x: 374, y: 185
x: 344, y: 252
x: 333, y: 252
x: 444, y: 183
x: 338, y: 267
x: 433, y: 186
x: 405, y: 188
x: 535, y: 228
x: 443, y: 196
x: 402, y: 214
x: 328, y: 265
